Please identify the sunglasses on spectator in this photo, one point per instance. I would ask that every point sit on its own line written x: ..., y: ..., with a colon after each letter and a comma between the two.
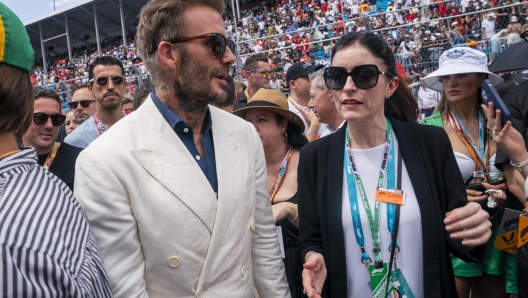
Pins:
x: 42, y: 118
x: 103, y: 81
x: 220, y: 43
x: 264, y: 73
x: 84, y: 103
x: 364, y: 76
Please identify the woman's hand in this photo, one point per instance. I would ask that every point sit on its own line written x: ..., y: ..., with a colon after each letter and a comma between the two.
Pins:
x: 507, y: 138
x: 498, y: 198
x: 314, y: 274
x: 470, y: 224
x: 476, y: 196
x: 284, y: 210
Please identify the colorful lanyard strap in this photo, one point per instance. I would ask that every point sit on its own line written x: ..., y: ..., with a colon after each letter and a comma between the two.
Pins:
x: 355, y: 185
x: 298, y: 107
x: 51, y: 156
x: 477, y: 151
x: 282, y: 171
x: 97, y: 122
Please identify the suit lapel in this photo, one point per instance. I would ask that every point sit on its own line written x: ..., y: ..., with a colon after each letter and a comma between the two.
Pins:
x: 334, y: 205
x: 164, y: 156
x: 415, y: 165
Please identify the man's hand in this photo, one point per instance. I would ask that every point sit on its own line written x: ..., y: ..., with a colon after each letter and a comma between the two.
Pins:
x: 469, y: 223
x: 314, y: 274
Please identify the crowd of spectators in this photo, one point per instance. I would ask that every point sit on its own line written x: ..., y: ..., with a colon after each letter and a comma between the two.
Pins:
x: 63, y: 73
x: 417, y: 30
x: 291, y: 31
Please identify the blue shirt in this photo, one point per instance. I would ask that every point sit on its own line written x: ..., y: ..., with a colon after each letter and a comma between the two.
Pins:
x: 185, y: 133
x: 86, y: 133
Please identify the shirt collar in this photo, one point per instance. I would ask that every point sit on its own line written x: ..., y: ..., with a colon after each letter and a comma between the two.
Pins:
x: 173, y: 119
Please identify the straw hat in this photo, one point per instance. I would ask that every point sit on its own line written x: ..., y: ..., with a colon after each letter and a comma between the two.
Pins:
x: 274, y: 101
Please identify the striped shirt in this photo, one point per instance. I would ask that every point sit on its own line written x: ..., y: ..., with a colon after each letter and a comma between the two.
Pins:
x: 46, y: 244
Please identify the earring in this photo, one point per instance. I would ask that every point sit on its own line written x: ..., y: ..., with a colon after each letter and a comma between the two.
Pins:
x: 285, y: 137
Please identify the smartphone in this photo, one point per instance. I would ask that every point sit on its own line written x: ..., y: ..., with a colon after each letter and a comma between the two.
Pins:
x: 497, y: 182
x: 489, y: 94
x: 477, y: 187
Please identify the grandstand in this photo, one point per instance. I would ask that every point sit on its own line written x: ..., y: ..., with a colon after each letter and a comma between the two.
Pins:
x: 288, y: 31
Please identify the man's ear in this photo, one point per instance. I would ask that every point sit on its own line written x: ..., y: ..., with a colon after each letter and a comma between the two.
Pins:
x: 169, y: 55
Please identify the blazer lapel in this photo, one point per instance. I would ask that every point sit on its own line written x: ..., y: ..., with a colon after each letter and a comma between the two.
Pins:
x: 334, y: 205
x: 415, y: 165
x: 164, y: 156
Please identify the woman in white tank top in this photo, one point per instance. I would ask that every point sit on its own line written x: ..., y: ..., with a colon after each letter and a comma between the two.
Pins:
x: 460, y: 77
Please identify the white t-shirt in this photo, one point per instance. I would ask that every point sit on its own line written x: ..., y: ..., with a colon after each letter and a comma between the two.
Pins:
x: 354, y: 9
x: 410, y: 257
x: 489, y: 28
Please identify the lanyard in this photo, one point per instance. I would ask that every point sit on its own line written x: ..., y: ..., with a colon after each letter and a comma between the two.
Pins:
x: 51, y: 156
x: 478, y: 152
x: 282, y: 171
x: 355, y: 184
x: 299, y: 108
x: 97, y: 122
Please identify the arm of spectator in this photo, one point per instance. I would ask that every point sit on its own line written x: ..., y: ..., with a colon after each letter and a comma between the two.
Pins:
x: 508, y: 29
x: 514, y: 181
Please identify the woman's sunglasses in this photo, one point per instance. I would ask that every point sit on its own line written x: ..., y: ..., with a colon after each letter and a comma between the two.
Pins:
x: 103, y: 81
x: 364, y: 76
x: 42, y: 118
x: 220, y: 43
x: 84, y: 103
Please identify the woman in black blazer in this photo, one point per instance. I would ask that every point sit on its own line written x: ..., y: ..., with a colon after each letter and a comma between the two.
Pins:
x: 374, y: 104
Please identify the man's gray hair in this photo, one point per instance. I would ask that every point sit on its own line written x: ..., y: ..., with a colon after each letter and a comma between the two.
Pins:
x: 320, y: 79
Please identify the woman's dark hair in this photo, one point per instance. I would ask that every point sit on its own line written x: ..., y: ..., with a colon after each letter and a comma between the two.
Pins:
x: 508, y: 84
x: 16, y: 100
x: 296, y: 137
x: 141, y: 94
x: 401, y: 105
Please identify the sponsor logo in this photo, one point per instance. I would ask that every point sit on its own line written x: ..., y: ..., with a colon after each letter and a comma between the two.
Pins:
x: 455, y: 54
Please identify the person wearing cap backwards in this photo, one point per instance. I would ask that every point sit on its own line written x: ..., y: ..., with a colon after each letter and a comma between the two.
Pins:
x: 460, y: 77
x: 47, y: 247
x: 513, y: 141
x: 297, y: 79
x: 281, y: 132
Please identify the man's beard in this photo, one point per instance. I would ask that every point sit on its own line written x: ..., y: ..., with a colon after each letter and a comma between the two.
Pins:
x: 193, y: 85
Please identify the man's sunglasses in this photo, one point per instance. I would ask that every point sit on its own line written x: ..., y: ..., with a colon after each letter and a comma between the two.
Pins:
x: 364, y: 76
x: 219, y: 42
x: 264, y: 73
x: 103, y: 81
x: 84, y: 103
x: 42, y: 118
x: 524, y: 35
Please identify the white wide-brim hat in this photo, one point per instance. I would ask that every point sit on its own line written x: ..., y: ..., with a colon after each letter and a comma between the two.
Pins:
x: 460, y: 60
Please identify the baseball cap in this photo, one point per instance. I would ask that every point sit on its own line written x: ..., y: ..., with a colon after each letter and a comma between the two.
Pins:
x: 300, y: 69
x: 460, y: 60
x: 15, y: 47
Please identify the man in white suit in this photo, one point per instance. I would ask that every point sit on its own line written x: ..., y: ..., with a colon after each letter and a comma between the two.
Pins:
x: 176, y: 192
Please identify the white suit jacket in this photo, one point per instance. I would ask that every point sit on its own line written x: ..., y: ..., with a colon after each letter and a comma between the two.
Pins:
x: 160, y: 228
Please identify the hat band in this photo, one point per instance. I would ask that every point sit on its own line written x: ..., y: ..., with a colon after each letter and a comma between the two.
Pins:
x: 261, y: 103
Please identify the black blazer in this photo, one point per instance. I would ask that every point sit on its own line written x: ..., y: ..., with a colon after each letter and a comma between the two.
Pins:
x: 438, y: 185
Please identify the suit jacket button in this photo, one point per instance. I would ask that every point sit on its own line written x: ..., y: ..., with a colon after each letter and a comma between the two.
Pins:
x: 174, y: 261
x: 243, y: 271
x: 252, y: 225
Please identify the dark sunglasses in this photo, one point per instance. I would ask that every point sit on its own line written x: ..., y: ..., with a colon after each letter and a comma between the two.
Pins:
x: 524, y: 35
x: 42, y: 118
x: 84, y: 103
x: 364, y: 76
x: 220, y: 43
x: 264, y: 73
x: 103, y: 81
